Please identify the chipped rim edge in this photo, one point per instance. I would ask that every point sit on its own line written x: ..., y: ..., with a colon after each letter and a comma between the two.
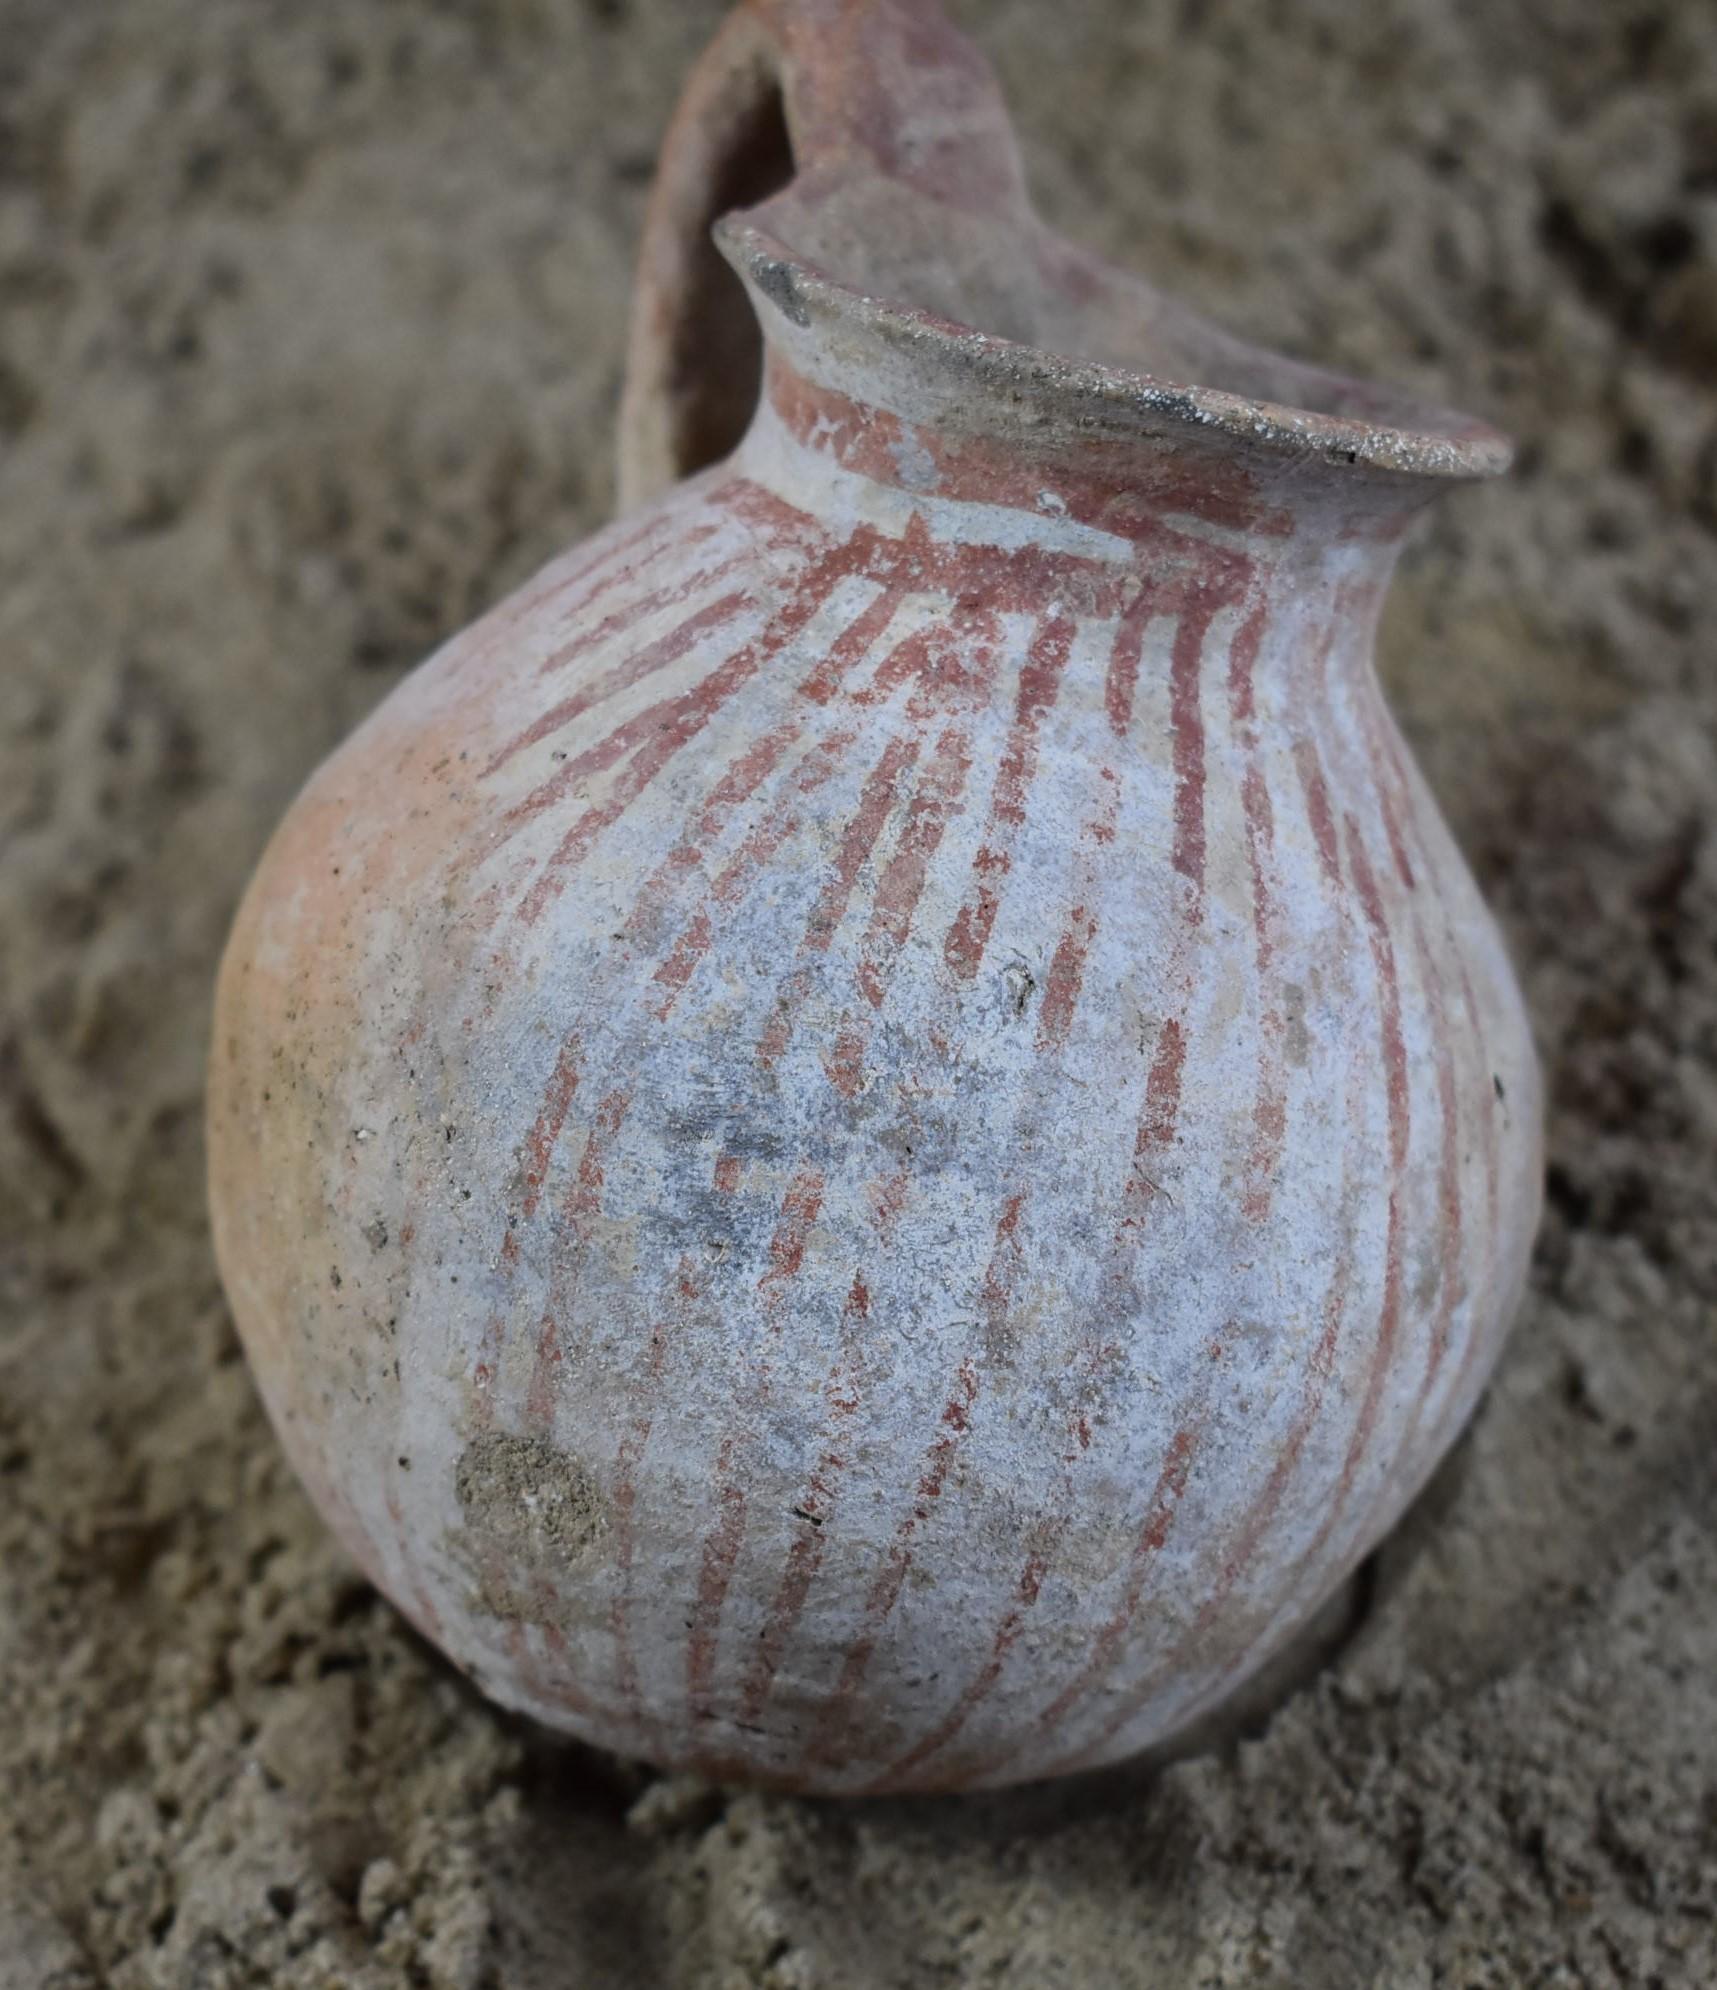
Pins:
x: 1112, y: 401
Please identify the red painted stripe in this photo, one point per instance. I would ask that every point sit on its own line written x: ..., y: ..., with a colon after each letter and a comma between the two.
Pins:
x: 720, y: 1556
x: 815, y: 1507
x: 1065, y: 978
x: 735, y: 787
x: 1184, y: 1653
x: 741, y: 871
x: 1243, y: 664
x: 654, y: 736
x: 1173, y: 1476
x: 1157, y: 1122
x: 645, y: 662
x: 1455, y: 949
x: 970, y: 933
x: 669, y: 729
x: 1448, y: 1174
x: 876, y: 799
x: 977, y: 1690
x: 1397, y: 1102
x: 623, y: 1500
x: 1448, y: 1178
x: 1001, y: 1277
x: 639, y: 608
x: 586, y: 1197
x: 901, y: 885
x: 1397, y: 845
x: 1039, y: 686
x: 852, y: 646
x: 1383, y: 748
x: 1318, y: 811
x: 604, y: 565
x: 545, y: 1373
x: 799, y: 1209
x: 1489, y: 1121
x: 894, y: 904
x: 803, y: 1200
x: 545, y: 1131
x: 1270, y: 1107
x: 1156, y: 1131
x: 1122, y: 684
x: 1397, y: 800
x: 1186, y: 730
x: 888, y: 1199
x: 1322, y: 1365
x: 616, y: 567
x: 1261, y: 844
x: 1383, y: 956
x: 911, y: 658
x: 1269, y: 1135
x: 844, y: 1064
x: 583, y: 1203
x: 828, y: 1740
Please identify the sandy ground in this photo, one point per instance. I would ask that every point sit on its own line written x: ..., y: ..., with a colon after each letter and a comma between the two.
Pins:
x: 310, y: 334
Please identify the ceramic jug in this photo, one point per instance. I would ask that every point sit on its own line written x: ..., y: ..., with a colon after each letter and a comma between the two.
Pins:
x: 865, y: 1141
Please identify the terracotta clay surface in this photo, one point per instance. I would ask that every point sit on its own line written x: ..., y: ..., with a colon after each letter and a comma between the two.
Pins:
x: 867, y: 1139
x: 312, y: 332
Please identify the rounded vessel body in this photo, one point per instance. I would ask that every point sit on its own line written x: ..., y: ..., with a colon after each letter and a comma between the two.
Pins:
x: 868, y: 1138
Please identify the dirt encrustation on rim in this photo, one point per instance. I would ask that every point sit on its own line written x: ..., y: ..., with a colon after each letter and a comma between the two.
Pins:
x: 310, y: 330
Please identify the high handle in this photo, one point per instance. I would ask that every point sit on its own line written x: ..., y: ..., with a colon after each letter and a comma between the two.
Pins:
x: 800, y: 93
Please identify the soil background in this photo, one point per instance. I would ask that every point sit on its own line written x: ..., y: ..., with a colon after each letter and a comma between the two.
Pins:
x: 311, y: 321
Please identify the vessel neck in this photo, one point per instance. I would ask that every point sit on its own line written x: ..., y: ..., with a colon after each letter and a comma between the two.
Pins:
x: 886, y: 451
x: 1061, y: 533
